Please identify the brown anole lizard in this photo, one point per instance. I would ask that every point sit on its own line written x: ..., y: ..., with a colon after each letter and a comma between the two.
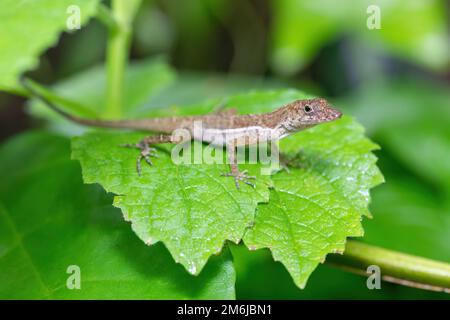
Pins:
x: 225, y: 128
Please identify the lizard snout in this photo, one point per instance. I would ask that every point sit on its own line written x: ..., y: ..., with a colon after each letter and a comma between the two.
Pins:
x: 333, y: 114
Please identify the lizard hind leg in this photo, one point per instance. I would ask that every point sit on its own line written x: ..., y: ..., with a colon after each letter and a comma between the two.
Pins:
x: 235, y: 173
x: 146, y: 149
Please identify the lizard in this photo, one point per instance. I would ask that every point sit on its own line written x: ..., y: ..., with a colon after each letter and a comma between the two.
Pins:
x: 224, y: 128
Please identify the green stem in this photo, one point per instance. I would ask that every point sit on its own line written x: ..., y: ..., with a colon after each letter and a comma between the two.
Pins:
x: 106, y: 17
x: 123, y: 12
x: 395, y: 267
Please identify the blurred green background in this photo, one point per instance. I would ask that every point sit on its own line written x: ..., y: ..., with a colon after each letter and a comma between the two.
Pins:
x: 395, y: 80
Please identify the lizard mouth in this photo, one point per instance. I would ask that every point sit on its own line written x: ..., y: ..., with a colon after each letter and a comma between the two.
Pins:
x: 333, y: 114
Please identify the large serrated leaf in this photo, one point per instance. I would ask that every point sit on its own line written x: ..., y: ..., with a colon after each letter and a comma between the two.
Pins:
x: 28, y: 27
x: 189, y: 207
x: 314, y: 208
x: 172, y: 203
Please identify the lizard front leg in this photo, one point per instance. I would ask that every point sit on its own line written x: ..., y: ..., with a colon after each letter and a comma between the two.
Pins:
x: 146, y: 150
x: 235, y: 173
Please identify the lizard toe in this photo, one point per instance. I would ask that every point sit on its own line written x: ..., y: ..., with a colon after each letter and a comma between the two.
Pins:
x: 240, y: 177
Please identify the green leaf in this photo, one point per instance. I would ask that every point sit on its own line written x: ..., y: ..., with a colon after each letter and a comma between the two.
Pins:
x: 49, y: 221
x: 181, y: 204
x: 313, y: 209
x: 189, y: 207
x: 29, y: 27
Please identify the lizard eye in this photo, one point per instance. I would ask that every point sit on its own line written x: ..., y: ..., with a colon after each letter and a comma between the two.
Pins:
x: 307, y: 109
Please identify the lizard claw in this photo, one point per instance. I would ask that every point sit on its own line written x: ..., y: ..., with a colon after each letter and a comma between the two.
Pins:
x: 146, y: 153
x: 240, y: 176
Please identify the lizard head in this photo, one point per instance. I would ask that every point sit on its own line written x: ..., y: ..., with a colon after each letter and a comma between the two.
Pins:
x: 309, y: 112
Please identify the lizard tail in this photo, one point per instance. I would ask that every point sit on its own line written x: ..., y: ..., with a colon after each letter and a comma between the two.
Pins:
x: 124, y: 124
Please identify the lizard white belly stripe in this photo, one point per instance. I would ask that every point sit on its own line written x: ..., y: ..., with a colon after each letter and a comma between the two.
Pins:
x: 247, y: 135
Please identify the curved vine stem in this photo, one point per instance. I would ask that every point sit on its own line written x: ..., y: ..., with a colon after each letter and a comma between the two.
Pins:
x: 396, y: 267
